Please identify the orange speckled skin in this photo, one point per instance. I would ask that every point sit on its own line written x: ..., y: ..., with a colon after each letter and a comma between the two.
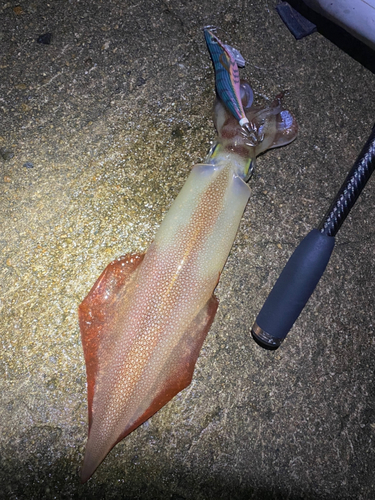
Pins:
x: 145, y: 323
x: 145, y: 319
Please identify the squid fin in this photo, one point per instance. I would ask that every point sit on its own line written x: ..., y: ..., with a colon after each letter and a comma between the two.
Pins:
x: 98, y: 310
x: 98, y: 314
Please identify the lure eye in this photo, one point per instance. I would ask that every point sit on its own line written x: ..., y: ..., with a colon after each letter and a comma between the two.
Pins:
x: 247, y: 95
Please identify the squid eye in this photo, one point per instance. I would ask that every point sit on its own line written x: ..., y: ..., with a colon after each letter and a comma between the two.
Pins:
x: 247, y: 95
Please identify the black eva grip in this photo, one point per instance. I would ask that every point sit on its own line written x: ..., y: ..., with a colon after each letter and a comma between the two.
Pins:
x: 295, y: 285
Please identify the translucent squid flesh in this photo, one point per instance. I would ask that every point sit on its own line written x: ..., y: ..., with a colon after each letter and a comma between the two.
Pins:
x: 145, y: 319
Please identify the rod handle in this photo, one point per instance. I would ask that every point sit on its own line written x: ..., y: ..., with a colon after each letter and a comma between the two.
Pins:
x: 293, y: 289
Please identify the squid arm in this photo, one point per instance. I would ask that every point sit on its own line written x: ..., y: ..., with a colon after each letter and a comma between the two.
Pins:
x: 145, y: 319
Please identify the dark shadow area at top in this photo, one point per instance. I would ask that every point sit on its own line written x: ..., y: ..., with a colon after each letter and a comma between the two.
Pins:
x: 337, y: 35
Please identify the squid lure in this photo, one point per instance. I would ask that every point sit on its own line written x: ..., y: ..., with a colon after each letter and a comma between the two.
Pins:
x: 226, y: 60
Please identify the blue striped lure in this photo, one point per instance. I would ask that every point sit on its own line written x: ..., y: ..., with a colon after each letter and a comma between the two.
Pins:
x: 227, y: 77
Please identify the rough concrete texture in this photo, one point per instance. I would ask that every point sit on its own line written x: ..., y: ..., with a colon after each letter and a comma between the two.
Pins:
x: 112, y: 115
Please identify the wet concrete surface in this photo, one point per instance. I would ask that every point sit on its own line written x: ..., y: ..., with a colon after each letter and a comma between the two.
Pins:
x: 98, y: 131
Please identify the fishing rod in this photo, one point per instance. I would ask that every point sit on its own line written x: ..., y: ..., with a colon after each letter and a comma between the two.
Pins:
x: 306, y: 266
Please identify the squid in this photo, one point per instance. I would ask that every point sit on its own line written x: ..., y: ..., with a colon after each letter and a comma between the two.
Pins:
x: 145, y: 319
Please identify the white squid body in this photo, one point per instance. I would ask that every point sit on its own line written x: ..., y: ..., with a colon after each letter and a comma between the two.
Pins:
x: 144, y: 321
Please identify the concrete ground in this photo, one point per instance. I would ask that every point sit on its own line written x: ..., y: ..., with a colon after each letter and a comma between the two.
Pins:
x: 98, y: 132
